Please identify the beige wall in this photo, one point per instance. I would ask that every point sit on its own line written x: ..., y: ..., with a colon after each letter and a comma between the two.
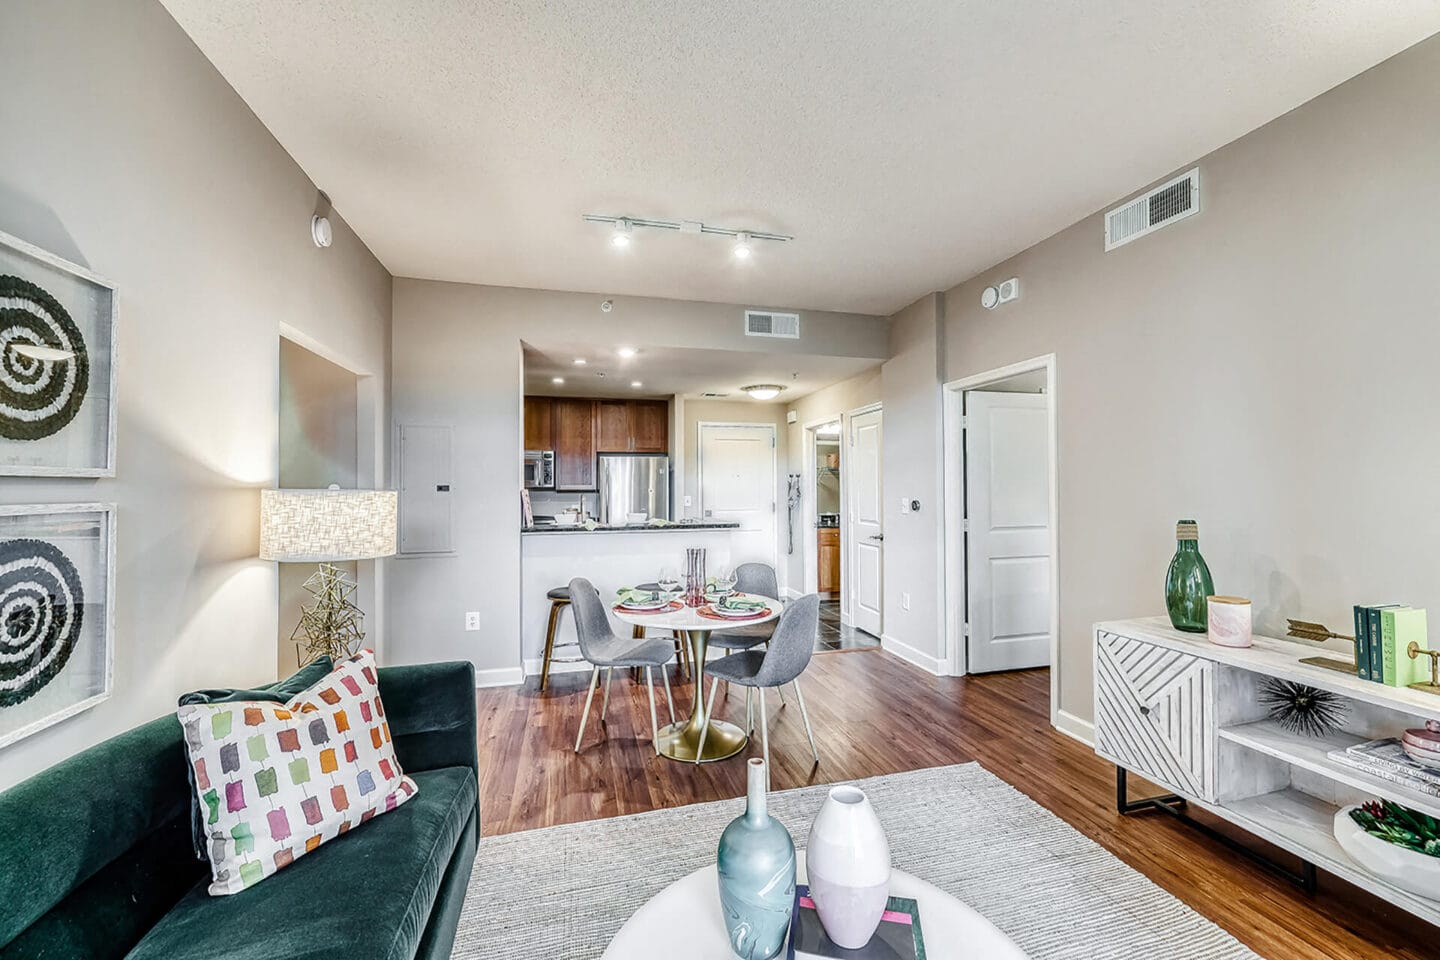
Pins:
x: 457, y: 361
x: 127, y: 152
x: 319, y: 436
x: 831, y: 403
x: 912, y: 442
x: 1266, y: 367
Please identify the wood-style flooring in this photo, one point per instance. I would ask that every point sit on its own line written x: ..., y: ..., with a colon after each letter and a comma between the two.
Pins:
x: 874, y: 714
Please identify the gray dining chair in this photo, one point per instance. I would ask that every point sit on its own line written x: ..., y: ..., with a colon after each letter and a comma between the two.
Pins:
x: 786, y: 657
x: 758, y: 579
x: 605, y: 651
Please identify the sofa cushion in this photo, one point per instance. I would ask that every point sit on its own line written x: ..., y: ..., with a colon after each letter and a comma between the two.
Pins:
x: 279, y: 780
x: 364, y: 896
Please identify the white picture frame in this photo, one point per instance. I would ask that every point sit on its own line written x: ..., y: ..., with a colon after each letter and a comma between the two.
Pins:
x: 84, y: 535
x: 82, y: 441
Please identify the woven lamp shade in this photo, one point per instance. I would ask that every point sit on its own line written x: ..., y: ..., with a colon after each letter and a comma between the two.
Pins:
x: 324, y: 526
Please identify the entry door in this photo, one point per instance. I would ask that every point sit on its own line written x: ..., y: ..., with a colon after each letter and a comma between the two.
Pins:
x: 867, y: 523
x: 737, y: 482
x: 1007, y: 545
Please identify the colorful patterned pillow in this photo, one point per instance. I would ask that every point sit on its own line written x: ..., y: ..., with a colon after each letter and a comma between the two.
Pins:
x: 276, y: 781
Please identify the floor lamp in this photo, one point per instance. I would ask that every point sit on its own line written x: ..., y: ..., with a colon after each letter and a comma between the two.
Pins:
x: 327, y: 527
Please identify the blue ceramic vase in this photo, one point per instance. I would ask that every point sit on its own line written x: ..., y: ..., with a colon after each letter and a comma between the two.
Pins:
x: 756, y: 865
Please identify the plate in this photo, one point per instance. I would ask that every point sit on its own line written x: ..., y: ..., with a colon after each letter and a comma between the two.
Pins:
x: 644, y: 604
x: 735, y: 614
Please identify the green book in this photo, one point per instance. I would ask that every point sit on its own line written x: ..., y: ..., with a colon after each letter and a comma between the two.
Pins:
x: 1398, y: 628
x: 1377, y: 650
x: 1362, y: 642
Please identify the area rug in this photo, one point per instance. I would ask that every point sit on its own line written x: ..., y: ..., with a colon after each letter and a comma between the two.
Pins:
x: 561, y: 893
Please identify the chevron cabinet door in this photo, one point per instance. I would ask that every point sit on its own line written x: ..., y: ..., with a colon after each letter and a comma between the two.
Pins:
x: 1155, y: 713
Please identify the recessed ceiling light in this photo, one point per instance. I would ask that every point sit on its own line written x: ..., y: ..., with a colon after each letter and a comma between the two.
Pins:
x: 636, y: 384
x: 763, y: 391
x: 578, y: 361
x: 742, y: 247
x: 557, y: 380
x: 621, y: 236
x: 626, y: 352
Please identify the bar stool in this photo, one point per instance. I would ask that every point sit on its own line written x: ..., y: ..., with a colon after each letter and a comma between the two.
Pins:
x: 559, y: 599
x: 682, y: 649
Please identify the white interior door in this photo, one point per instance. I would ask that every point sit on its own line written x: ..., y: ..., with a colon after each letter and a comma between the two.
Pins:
x: 738, y: 482
x: 867, y: 524
x: 1007, y: 541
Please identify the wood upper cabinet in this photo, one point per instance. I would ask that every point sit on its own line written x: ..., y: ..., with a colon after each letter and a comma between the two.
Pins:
x: 574, y: 436
x: 539, y: 423
x: 650, y: 426
x: 829, y: 559
x: 615, y: 434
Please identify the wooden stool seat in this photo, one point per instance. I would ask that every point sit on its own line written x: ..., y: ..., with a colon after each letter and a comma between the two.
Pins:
x: 559, y: 598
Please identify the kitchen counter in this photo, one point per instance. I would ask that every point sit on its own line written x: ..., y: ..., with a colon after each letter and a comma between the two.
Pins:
x: 630, y: 528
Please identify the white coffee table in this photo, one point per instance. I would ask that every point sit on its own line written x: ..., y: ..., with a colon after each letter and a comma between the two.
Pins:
x: 684, y: 920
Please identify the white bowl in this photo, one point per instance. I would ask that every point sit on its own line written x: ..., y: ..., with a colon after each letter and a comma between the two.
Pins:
x: 567, y: 519
x: 637, y: 517
x: 1417, y: 873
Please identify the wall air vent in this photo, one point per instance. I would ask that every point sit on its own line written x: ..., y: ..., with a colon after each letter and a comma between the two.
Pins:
x: 764, y: 323
x: 1147, y: 213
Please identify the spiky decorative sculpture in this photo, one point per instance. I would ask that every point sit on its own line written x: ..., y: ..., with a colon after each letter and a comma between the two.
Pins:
x: 1302, y: 709
x: 332, y: 625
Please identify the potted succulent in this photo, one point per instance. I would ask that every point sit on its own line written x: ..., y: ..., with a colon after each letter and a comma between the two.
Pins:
x: 1394, y: 843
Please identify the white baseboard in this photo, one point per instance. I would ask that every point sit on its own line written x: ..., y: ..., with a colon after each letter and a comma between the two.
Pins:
x: 909, y: 654
x: 1073, y: 726
x: 846, y: 620
x: 499, y: 677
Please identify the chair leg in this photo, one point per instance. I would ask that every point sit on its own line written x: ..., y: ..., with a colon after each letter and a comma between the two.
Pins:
x: 800, y: 698
x: 669, y: 701
x: 764, y: 737
x: 549, y: 645
x: 708, y: 712
x: 654, y: 724
x: 589, y: 699
x: 749, y: 711
x: 781, y: 690
x: 605, y: 703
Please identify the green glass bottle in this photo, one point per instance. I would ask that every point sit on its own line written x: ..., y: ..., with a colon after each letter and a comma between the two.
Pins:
x: 1187, y: 582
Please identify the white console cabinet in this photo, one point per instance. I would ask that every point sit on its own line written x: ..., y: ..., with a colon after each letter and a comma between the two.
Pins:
x: 1184, y: 713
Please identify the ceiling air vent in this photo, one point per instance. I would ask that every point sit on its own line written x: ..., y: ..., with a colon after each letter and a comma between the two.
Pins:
x: 1149, y: 212
x: 763, y: 323
x: 714, y: 396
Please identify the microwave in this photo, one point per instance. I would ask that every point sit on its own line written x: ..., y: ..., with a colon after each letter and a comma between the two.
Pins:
x: 539, y: 469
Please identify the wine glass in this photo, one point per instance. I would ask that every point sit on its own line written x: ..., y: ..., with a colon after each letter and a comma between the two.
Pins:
x: 725, y: 581
x: 669, y: 581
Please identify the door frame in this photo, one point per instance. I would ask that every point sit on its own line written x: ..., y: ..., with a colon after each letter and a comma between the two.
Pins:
x: 953, y: 572
x: 700, y: 426
x: 849, y: 544
x: 809, y: 502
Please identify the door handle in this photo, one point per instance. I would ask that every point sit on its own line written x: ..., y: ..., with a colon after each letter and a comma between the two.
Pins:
x: 878, y: 537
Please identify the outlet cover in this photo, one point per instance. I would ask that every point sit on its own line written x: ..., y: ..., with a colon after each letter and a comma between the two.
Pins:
x: 472, y: 620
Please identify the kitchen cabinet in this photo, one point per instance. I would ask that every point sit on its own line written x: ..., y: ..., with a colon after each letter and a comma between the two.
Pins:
x: 650, y: 426
x: 539, y: 423
x: 574, y: 436
x: 829, y: 557
x: 614, y: 426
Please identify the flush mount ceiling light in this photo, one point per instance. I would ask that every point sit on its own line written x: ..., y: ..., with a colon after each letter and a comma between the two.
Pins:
x: 744, y: 238
x: 762, y: 391
x: 625, y: 353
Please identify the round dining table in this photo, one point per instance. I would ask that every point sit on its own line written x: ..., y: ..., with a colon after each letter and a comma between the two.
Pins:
x: 682, y: 741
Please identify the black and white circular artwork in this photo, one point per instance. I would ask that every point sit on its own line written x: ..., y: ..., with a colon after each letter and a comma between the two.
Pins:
x: 44, y: 366
x: 41, y: 613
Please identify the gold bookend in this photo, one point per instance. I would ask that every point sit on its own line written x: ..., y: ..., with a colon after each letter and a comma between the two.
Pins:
x: 1433, y: 686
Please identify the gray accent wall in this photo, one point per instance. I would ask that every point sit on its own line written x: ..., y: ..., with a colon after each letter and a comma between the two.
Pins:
x: 1266, y: 367
x: 124, y: 150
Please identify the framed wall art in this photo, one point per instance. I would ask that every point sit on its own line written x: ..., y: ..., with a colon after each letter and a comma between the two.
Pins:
x: 57, y: 366
x: 57, y: 580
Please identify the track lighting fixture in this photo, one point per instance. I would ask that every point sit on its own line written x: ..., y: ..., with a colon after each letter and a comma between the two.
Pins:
x: 742, y: 246
x: 744, y: 239
x: 621, y: 236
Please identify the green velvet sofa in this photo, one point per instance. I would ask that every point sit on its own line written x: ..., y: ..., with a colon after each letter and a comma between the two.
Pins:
x: 98, y: 861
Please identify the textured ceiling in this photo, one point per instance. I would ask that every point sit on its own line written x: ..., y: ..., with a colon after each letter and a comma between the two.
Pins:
x: 667, y: 371
x: 907, y: 146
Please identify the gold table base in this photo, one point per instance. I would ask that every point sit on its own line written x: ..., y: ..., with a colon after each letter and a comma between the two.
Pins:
x: 681, y: 741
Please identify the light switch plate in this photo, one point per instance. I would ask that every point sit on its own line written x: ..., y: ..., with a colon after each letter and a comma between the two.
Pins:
x: 472, y: 620
x: 904, y: 601
x: 689, y: 501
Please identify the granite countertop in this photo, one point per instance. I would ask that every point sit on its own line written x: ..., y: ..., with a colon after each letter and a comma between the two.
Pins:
x: 632, y: 527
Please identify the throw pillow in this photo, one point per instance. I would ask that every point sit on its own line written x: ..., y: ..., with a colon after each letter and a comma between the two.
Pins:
x: 277, y: 781
x: 278, y: 692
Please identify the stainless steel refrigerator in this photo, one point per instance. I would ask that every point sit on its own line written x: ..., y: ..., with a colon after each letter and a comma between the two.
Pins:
x: 634, y: 483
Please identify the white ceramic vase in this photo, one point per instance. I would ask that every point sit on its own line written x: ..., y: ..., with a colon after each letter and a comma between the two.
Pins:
x: 847, y: 859
x: 1417, y: 873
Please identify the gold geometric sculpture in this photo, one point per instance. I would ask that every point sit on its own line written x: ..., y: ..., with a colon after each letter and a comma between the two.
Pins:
x: 332, y: 625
